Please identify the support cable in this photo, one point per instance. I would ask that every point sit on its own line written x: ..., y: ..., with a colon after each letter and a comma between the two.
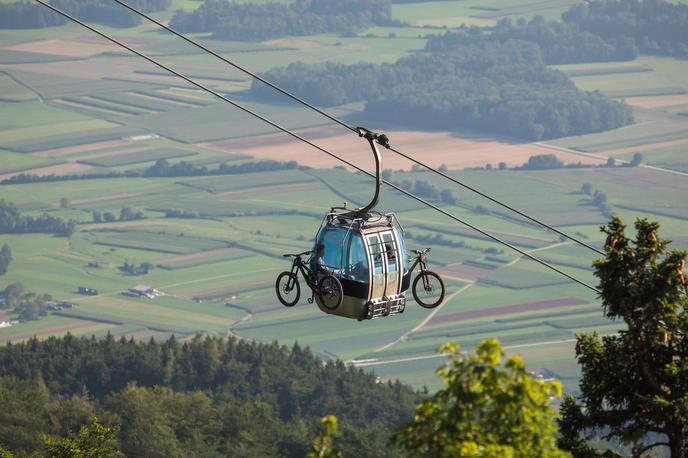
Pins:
x: 353, y: 129
x: 308, y: 142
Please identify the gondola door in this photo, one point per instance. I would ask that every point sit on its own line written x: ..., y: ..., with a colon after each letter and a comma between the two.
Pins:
x: 376, y: 261
x: 383, y: 252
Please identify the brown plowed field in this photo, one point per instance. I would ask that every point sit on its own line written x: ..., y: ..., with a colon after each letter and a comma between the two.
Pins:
x: 47, y: 331
x: 657, y: 101
x: 463, y: 271
x: 83, y: 69
x: 507, y: 309
x: 76, y: 47
x: 434, y: 148
x: 70, y: 167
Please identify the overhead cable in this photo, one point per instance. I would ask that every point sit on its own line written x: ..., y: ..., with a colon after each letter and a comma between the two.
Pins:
x: 353, y: 129
x: 308, y: 142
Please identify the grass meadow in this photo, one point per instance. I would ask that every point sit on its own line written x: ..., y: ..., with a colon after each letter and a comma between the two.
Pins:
x: 113, y: 112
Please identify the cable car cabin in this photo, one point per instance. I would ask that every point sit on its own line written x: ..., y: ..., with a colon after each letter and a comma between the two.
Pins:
x: 369, y: 258
x: 359, y: 265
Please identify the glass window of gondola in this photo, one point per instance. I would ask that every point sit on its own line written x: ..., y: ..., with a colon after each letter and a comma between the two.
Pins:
x: 342, y: 252
x: 328, y: 248
x: 403, y: 248
x: 357, y: 265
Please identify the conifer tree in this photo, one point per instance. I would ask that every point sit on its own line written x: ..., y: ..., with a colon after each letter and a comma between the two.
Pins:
x: 634, y: 385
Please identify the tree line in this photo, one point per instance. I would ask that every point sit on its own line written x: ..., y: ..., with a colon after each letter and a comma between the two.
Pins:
x: 596, y: 31
x: 653, y: 26
x: 560, y: 42
x: 13, y: 222
x: 230, y: 20
x: 497, y: 87
x: 30, y: 15
x: 161, y: 168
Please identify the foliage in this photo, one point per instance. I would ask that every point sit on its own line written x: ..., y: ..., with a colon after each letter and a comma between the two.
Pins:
x: 503, y: 88
x: 250, y: 22
x: 651, y: 26
x: 93, y: 441
x: 322, y: 445
x: 637, y: 159
x: 561, y: 43
x: 162, y: 168
x: 127, y: 214
x: 12, y: 222
x: 206, y: 397
x: 5, y: 258
x: 28, y: 305
x: 24, y: 15
x: 634, y: 384
x: 484, y: 410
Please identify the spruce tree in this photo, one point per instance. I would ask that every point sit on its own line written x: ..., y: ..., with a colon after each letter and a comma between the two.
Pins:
x: 634, y: 385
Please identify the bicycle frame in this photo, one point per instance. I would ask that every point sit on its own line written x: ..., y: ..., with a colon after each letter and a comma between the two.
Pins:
x: 420, y: 260
x: 299, y: 266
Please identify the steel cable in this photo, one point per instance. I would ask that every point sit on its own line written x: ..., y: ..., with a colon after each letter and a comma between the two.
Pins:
x: 353, y: 129
x: 308, y: 142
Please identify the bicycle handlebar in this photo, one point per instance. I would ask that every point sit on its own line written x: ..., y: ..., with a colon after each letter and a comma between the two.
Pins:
x: 298, y: 254
x: 427, y: 250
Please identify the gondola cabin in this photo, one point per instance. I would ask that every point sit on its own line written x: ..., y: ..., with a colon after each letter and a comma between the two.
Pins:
x: 368, y: 256
x: 359, y: 266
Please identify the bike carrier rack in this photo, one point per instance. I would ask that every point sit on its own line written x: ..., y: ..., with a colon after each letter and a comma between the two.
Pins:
x: 386, y: 306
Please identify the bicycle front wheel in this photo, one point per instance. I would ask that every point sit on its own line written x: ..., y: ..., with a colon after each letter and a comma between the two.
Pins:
x: 428, y: 289
x: 288, y: 289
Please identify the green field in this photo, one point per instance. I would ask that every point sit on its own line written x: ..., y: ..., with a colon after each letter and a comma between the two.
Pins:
x: 217, y: 265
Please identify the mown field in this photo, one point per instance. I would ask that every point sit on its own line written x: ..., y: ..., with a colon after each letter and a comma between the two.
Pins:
x: 69, y: 105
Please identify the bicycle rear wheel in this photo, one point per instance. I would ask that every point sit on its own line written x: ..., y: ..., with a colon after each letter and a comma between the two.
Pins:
x: 330, y: 292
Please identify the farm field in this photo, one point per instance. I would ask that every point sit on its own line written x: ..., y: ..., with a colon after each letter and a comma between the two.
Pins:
x: 213, y: 245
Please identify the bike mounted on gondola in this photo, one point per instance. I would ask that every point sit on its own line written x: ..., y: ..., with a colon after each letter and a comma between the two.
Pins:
x: 359, y: 267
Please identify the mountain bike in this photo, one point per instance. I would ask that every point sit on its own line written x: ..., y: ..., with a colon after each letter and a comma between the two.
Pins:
x: 428, y: 287
x: 327, y: 288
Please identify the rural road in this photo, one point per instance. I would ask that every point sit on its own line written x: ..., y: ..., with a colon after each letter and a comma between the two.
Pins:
x: 599, y: 156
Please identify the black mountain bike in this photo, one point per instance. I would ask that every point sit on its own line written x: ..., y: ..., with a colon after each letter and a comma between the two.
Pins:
x: 428, y: 287
x: 328, y: 288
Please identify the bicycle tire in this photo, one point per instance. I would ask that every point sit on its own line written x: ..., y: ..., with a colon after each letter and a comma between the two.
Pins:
x: 433, y: 291
x: 330, y: 292
x: 284, y: 290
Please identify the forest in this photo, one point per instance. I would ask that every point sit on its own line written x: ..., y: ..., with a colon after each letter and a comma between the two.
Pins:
x: 206, y: 397
x: 655, y: 26
x: 560, y: 42
x: 253, y: 22
x: 598, y: 31
x: 31, y: 15
x: 504, y: 88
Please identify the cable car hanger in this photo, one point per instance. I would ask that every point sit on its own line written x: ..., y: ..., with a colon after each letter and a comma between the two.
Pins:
x: 355, y: 129
x: 319, y: 148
